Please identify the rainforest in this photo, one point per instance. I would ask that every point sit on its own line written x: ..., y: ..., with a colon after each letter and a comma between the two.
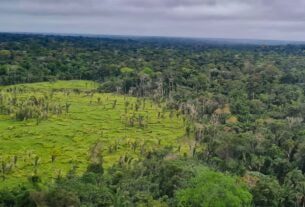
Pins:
x: 149, y: 121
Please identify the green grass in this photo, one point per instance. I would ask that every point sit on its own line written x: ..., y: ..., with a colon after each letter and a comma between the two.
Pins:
x: 69, y: 136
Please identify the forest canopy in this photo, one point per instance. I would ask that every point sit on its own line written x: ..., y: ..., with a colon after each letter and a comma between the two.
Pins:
x: 244, y: 109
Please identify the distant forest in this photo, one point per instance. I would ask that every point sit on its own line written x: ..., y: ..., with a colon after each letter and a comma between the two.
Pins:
x: 245, y: 105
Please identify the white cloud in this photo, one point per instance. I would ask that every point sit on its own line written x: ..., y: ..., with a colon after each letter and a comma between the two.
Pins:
x: 271, y: 19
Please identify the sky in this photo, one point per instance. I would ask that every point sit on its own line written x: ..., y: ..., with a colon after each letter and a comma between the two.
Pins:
x: 237, y: 19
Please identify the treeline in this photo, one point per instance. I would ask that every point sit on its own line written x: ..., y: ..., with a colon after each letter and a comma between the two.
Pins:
x: 155, y: 180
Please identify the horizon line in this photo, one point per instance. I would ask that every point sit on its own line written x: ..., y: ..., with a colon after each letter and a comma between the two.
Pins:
x: 250, y: 41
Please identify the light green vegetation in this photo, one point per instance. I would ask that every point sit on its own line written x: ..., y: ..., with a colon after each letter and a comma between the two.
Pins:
x: 209, y: 188
x: 50, y: 147
x: 71, y: 84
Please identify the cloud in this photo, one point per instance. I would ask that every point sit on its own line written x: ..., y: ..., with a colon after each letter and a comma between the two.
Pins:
x: 272, y: 19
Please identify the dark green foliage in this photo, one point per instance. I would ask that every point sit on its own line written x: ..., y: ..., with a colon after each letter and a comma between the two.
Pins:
x: 95, y: 168
x: 63, y: 198
x: 18, y: 197
x: 154, y: 181
x: 267, y: 192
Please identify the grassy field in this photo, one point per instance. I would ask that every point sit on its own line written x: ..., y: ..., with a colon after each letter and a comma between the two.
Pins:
x: 52, y: 146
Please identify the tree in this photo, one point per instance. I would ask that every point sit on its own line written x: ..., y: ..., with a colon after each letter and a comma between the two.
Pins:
x: 126, y: 71
x: 294, y: 188
x: 267, y: 192
x: 209, y: 188
x: 63, y: 198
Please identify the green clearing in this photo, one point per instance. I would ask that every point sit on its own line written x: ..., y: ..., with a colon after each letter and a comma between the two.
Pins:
x: 125, y: 126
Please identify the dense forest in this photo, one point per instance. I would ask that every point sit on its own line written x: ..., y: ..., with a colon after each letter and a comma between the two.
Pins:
x: 244, y: 107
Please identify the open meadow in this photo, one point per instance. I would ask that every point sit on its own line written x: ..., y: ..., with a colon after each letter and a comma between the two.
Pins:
x: 47, y: 129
